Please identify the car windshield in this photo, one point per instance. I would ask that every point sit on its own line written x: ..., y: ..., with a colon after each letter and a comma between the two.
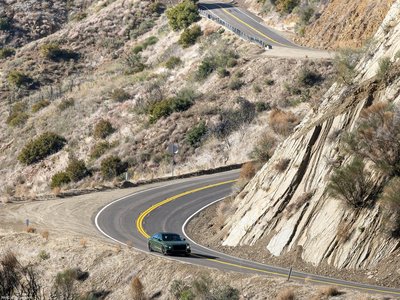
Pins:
x: 171, y: 237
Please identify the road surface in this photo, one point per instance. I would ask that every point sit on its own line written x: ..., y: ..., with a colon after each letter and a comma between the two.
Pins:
x: 168, y: 208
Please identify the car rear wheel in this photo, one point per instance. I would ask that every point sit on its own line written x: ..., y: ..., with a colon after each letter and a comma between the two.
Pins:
x: 150, y: 249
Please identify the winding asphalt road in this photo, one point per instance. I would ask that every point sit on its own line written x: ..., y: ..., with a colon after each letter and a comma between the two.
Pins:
x: 134, y: 218
x: 245, y: 22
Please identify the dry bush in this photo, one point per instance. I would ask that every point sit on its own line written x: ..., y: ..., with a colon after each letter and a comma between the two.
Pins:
x: 83, y: 242
x: 282, y: 165
x: 282, y: 122
x: 45, y: 235
x: 137, y: 289
x: 299, y: 202
x: 327, y: 291
x: 247, y: 171
x: 118, y: 248
x: 56, y: 191
x: 286, y: 294
x: 344, y: 232
x: 264, y: 148
x: 30, y: 229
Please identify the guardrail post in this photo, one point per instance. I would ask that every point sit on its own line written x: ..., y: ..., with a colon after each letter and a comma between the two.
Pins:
x: 290, y: 274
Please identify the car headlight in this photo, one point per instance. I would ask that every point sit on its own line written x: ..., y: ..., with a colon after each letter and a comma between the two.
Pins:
x: 187, y: 246
x: 169, y: 247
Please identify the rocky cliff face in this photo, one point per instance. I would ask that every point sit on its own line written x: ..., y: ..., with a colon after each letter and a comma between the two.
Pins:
x: 291, y: 210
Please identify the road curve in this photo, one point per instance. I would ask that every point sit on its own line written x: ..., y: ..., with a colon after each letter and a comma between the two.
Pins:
x: 245, y: 22
x: 168, y: 208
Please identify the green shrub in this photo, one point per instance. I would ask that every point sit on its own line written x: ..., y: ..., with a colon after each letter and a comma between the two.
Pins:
x: 257, y: 89
x: 18, y: 115
x: 134, y: 63
x: 262, y: 106
x: 352, y: 184
x: 5, y: 23
x: 156, y: 7
x: 269, y: 82
x: 43, y: 255
x: 306, y: 14
x: 119, y: 95
x: 59, y: 179
x: 182, y: 15
x: 173, y: 62
x: 222, y: 72
x: 286, y: 6
x: 196, y: 134
x: 220, y: 59
x: 308, y: 78
x: 235, y: 83
x: 189, y: 36
x: 76, y: 170
x: 143, y: 27
x: 137, y: 49
x: 345, y: 63
x: 40, y: 105
x: 65, y: 104
x: 206, y: 67
x: 112, y: 166
x: 377, y: 137
x: 181, y: 102
x: 384, y: 68
x: 102, y: 129
x: 264, y: 149
x: 151, y: 40
x: 6, y: 52
x: 53, y: 52
x: 18, y: 79
x: 99, y: 149
x: 46, y: 144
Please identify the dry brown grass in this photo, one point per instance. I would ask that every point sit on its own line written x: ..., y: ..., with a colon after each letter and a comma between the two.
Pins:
x: 30, y: 229
x: 282, y: 165
x: 299, y: 202
x: 282, y: 122
x: 344, y: 232
x: 118, y: 248
x: 83, y: 242
x: 45, y: 235
x: 326, y: 292
x: 137, y: 289
x: 287, y: 294
x: 247, y: 171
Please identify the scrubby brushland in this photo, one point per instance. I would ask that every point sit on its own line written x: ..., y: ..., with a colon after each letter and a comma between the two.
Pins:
x: 118, y: 81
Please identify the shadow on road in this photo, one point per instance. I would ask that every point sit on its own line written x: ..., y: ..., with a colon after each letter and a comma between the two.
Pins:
x: 203, y: 256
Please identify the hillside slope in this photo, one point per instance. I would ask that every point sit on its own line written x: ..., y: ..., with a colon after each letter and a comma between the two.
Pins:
x: 292, y: 210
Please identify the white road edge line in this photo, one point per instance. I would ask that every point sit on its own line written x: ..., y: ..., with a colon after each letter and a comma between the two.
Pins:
x: 96, y: 220
x: 215, y: 251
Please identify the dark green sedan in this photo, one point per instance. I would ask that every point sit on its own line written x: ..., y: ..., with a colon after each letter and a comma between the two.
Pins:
x: 168, y: 243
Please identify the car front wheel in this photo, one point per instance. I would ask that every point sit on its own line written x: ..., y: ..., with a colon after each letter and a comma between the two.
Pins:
x: 150, y: 249
x: 163, y: 251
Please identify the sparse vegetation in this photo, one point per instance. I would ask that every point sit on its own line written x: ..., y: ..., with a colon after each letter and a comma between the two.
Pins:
x: 103, y: 129
x: 134, y: 63
x: 43, y: 255
x: 308, y: 78
x: 264, y: 148
x: 137, y: 289
x: 286, y: 294
x: 203, y: 288
x: 36, y: 150
x: 76, y: 170
x: 6, y: 52
x: 99, y: 149
x: 391, y: 200
x: 345, y: 63
x: 285, y: 6
x: 119, y: 95
x: 40, y: 105
x: 53, y: 52
x: 282, y: 165
x: 182, y: 15
x: 189, y: 36
x: 19, y: 79
x: 384, y: 68
x: 112, y: 166
x: 195, y: 135
x: 18, y: 115
x: 215, y: 61
x: 353, y: 184
x: 282, y: 122
x: 173, y: 62
x: 65, y: 104
x: 5, y: 23
x: 59, y: 179
x: 247, y: 171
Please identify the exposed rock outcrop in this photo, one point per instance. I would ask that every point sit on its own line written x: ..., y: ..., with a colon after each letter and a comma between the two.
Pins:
x: 291, y: 210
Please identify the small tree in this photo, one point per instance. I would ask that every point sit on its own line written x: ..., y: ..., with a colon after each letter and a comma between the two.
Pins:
x: 46, y: 144
x: 353, y: 184
x: 196, y: 134
x: 112, y: 166
x: 59, y: 179
x: 102, y: 129
x: 182, y: 15
x: 76, y: 170
x: 189, y: 36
